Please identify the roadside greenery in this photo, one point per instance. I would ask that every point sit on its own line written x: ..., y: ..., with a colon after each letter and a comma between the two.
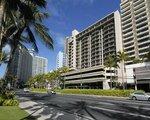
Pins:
x: 54, y: 77
x: 20, y: 22
x: 7, y: 98
x: 118, y: 93
x: 12, y: 113
x: 3, y: 57
x: 37, y: 90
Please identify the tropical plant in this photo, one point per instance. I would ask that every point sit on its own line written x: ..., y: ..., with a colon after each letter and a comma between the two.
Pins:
x: 29, y: 18
x: 3, y: 57
x: 62, y: 79
x: 51, y: 77
x: 111, y: 62
x: 122, y: 57
x: 13, y: 11
x: 147, y: 57
x: 137, y: 60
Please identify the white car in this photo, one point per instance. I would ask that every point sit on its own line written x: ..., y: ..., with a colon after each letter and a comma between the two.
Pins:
x: 139, y: 95
x: 26, y: 90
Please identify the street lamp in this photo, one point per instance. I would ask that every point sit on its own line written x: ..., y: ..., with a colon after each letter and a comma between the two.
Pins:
x: 135, y: 80
x: 81, y: 75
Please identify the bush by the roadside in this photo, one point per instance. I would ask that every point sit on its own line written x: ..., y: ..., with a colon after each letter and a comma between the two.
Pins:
x: 1, y: 101
x: 38, y: 90
x: 8, y: 99
x: 8, y: 94
x: 10, y: 102
x: 118, y: 93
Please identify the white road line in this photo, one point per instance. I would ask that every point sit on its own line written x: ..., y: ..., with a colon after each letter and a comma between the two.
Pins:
x: 116, y: 111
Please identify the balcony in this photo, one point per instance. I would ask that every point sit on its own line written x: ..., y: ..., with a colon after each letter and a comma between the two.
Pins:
x: 139, y: 5
x: 140, y: 11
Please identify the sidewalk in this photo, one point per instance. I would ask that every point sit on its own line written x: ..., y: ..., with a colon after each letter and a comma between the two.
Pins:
x: 37, y: 111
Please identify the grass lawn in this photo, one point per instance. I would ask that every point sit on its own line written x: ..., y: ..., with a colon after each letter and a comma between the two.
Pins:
x: 37, y: 90
x: 12, y: 113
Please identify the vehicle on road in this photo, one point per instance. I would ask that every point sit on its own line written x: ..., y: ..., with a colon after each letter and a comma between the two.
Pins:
x: 26, y: 90
x: 51, y: 92
x: 139, y: 95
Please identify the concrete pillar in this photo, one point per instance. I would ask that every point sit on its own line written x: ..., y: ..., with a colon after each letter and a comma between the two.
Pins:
x: 106, y: 85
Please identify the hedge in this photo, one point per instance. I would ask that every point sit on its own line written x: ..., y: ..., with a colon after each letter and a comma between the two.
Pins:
x: 38, y: 90
x: 118, y: 93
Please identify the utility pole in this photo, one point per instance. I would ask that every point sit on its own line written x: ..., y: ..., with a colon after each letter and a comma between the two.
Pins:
x: 135, y: 80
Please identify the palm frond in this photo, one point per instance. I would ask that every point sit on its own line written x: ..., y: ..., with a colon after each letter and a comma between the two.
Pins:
x: 45, y: 37
x: 40, y: 16
x: 32, y: 39
x: 40, y: 3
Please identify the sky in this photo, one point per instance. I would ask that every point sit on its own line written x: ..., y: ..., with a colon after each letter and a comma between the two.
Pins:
x: 67, y: 15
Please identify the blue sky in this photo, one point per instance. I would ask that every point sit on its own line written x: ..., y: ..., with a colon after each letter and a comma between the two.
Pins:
x: 67, y: 15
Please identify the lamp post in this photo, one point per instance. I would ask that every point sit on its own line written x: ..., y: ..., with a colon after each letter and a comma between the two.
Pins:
x: 135, y: 80
x: 81, y: 84
x: 81, y: 80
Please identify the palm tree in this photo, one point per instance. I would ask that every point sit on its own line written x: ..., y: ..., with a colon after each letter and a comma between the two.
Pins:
x: 9, y: 8
x: 122, y: 57
x: 147, y: 57
x: 110, y: 62
x: 3, y: 57
x: 137, y: 60
x: 62, y: 71
x: 27, y: 26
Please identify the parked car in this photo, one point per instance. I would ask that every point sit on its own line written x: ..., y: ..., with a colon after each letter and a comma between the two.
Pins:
x: 26, y: 90
x: 139, y: 95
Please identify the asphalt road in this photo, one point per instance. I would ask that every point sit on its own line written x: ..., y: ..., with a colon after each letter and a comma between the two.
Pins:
x: 70, y: 107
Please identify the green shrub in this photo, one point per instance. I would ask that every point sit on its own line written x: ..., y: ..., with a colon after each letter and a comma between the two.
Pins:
x: 1, y: 101
x: 8, y: 95
x: 118, y: 93
x: 39, y: 90
x: 10, y: 102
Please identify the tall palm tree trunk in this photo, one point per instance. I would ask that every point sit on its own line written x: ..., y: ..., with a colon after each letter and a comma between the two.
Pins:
x: 110, y: 78
x: 123, y: 75
x: 1, y: 19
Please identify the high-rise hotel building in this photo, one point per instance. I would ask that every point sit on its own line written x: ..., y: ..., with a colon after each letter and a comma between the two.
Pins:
x: 61, y: 60
x: 39, y: 65
x: 21, y: 65
x: 88, y: 49
x: 135, y: 17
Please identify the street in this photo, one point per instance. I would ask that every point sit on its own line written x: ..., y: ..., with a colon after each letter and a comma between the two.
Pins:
x: 73, y: 107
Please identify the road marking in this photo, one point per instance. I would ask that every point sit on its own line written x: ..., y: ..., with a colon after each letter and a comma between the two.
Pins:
x: 116, y: 111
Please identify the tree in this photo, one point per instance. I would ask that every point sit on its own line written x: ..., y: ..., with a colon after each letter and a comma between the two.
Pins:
x: 62, y: 71
x: 147, y: 57
x: 111, y: 62
x: 3, y: 57
x: 17, y: 35
x: 137, y: 60
x: 11, y: 9
x: 122, y: 57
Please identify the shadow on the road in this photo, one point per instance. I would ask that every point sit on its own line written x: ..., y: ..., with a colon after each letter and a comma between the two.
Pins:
x: 54, y: 109
x: 132, y: 109
x: 30, y: 117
